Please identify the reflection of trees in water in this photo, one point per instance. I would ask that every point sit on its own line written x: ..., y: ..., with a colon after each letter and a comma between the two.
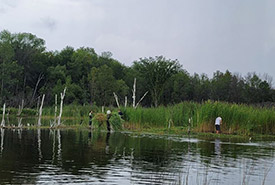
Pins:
x: 2, y: 141
x: 249, y: 168
x: 56, y: 148
x: 39, y: 144
x: 99, y: 155
x: 18, y: 154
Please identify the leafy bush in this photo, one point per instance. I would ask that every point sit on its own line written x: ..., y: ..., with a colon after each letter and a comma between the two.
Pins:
x: 99, y: 119
x: 116, y: 121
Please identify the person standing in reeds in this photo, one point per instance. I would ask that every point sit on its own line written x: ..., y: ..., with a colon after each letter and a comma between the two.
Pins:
x: 90, y: 118
x: 218, y: 123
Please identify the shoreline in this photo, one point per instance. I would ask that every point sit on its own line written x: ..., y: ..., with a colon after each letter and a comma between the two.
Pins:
x: 174, y: 131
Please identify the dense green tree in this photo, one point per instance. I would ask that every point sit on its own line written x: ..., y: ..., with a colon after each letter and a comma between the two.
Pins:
x: 252, y: 92
x: 156, y: 72
x: 102, y: 85
x: 221, y: 86
x: 265, y: 92
x: 178, y: 88
x: 27, y: 71
x: 9, y: 68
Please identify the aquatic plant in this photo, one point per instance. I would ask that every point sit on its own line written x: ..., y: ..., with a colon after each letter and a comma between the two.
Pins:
x: 99, y: 119
x: 237, y: 118
x: 116, y: 121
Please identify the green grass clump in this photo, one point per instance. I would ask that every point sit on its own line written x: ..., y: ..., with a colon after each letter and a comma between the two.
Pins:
x: 99, y: 119
x: 14, y: 112
x: 116, y: 121
x: 237, y: 118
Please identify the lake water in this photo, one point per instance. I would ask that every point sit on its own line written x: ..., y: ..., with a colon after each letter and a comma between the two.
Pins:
x: 82, y: 157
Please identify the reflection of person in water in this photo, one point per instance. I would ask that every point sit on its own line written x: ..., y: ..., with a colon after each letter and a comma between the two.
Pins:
x: 108, y: 120
x: 107, y: 143
x: 218, y: 147
x: 90, y: 135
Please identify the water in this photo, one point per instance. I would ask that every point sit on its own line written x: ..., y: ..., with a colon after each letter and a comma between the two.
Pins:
x: 82, y: 157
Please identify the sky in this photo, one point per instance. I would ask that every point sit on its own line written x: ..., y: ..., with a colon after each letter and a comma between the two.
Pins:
x: 203, y: 35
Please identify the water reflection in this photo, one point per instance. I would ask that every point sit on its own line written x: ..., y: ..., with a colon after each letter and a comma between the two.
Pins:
x: 107, y: 142
x: 2, y: 141
x: 70, y: 156
x: 39, y: 144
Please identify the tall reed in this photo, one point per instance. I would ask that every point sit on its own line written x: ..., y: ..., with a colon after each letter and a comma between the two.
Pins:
x: 242, y: 119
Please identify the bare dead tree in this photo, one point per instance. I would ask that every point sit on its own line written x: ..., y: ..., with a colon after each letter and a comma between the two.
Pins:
x: 3, y: 117
x: 20, y: 108
x: 134, y: 93
x: 125, y: 102
x: 116, y: 98
x: 141, y: 98
x: 61, y: 107
x: 37, y: 105
x: 55, y: 110
x: 40, y: 110
x: 40, y: 77
x: 19, y: 122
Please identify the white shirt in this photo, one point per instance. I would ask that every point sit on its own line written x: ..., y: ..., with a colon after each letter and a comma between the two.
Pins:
x: 218, y: 121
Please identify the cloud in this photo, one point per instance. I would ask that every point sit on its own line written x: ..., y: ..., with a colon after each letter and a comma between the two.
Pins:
x: 204, y: 36
x: 5, y: 5
x: 49, y: 23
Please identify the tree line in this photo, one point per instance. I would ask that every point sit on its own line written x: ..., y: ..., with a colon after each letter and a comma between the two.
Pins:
x: 28, y: 70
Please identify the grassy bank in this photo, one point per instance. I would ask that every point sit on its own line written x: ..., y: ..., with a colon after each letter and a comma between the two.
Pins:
x: 237, y: 119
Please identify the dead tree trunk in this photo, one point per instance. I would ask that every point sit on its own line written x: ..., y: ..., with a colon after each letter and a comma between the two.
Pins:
x: 37, y: 105
x: 55, y: 111
x: 41, y: 76
x: 40, y: 110
x: 141, y: 99
x: 61, y: 107
x: 134, y: 93
x: 20, y: 108
x: 3, y: 117
x: 19, y: 122
x: 116, y: 98
x: 125, y: 102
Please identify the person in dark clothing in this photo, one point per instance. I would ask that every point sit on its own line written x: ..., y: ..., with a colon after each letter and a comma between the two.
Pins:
x: 108, y: 120
x: 90, y: 118
x: 120, y: 113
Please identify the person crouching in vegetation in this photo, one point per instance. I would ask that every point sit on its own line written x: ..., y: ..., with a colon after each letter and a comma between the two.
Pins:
x: 90, y: 118
x: 120, y: 113
x: 218, y: 123
x: 108, y: 120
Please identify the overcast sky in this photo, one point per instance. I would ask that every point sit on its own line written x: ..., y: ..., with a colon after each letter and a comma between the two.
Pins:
x: 204, y: 35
